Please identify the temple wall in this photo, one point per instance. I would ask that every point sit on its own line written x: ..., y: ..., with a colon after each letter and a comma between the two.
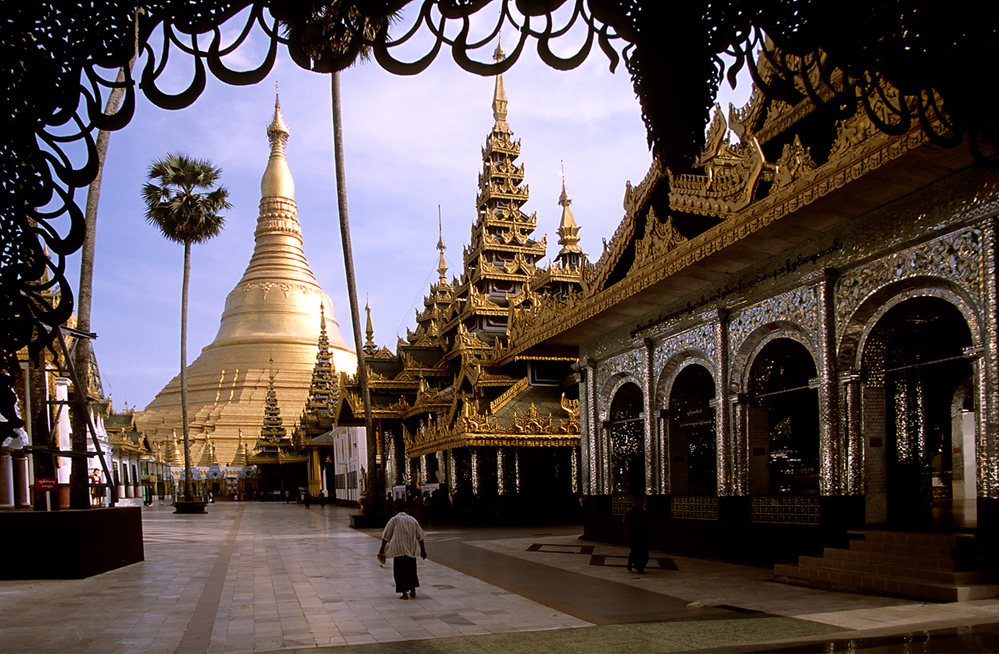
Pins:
x: 827, y: 295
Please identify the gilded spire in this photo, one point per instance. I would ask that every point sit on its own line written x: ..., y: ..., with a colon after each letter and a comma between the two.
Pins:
x: 499, y: 95
x: 568, y: 231
x: 240, y: 459
x: 324, y: 340
x: 322, y: 392
x: 277, y: 180
x: 178, y: 456
x: 369, y: 343
x: 273, y: 429
x: 441, y: 265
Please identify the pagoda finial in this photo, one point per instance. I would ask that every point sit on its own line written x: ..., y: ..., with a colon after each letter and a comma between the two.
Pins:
x: 499, y: 94
x: 369, y: 344
x: 277, y: 131
x: 277, y: 179
x: 441, y: 265
x: 564, y: 200
x: 568, y: 230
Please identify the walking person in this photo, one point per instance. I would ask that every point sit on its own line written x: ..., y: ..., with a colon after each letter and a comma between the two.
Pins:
x: 636, y: 530
x: 402, y: 538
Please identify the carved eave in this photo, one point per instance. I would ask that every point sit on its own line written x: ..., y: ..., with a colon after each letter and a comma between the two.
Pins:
x: 500, y: 142
x: 492, y: 380
x: 353, y: 410
x: 860, y: 175
x: 556, y: 274
x: 471, y: 428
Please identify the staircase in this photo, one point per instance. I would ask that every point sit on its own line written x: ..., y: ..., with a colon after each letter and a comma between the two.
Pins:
x: 929, y: 566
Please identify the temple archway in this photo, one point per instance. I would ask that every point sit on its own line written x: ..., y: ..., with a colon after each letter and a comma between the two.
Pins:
x: 783, y: 421
x: 918, y: 385
x: 626, y: 427
x: 690, y: 433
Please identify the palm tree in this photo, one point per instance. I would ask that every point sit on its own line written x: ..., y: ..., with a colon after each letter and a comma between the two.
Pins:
x: 185, y: 216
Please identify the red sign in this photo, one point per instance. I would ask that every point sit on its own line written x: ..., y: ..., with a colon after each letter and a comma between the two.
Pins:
x: 46, y: 484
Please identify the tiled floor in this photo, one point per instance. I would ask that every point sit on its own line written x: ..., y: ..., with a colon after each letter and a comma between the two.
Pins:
x: 256, y: 577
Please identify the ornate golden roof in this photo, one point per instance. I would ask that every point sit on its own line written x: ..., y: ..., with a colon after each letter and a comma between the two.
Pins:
x: 740, y: 203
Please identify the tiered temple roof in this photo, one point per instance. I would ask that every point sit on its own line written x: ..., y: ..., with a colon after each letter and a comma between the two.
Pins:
x: 441, y: 389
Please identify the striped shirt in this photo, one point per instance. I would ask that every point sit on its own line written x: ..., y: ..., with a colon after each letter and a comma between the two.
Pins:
x: 404, y: 535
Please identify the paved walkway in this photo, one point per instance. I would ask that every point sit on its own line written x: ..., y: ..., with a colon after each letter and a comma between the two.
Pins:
x: 259, y: 577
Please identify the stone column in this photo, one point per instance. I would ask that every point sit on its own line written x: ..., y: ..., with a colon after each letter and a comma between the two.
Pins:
x: 137, y: 481
x: 20, y: 469
x: 452, y: 473
x: 830, y: 449
x: 592, y: 461
x: 423, y: 469
x: 660, y: 421
x: 987, y: 372
x: 516, y: 469
x: 574, y: 465
x: 475, y: 470
x: 730, y: 454
x: 586, y: 435
x: 853, y: 434
x: 500, y: 471
x: 6, y: 481
x: 653, y: 471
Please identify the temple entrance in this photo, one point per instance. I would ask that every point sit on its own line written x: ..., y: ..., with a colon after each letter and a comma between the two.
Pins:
x: 627, y: 440
x: 916, y: 351
x: 690, y: 433
x: 783, y: 421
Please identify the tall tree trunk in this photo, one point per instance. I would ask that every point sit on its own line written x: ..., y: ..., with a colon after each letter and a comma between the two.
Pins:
x: 79, y: 496
x: 373, y: 500
x: 188, y: 496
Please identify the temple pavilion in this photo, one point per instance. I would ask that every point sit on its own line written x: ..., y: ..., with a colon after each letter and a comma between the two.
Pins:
x: 791, y: 344
x: 493, y: 439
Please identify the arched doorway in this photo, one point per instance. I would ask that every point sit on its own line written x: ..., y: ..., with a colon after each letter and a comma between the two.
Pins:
x: 627, y: 440
x: 690, y: 430
x: 783, y: 421
x: 916, y: 353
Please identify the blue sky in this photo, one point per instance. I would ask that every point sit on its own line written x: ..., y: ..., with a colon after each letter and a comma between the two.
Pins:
x: 411, y: 144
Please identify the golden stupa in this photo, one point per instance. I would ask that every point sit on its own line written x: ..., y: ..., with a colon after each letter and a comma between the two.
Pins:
x: 273, y: 313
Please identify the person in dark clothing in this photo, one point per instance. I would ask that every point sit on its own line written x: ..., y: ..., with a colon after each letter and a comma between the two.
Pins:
x: 636, y: 530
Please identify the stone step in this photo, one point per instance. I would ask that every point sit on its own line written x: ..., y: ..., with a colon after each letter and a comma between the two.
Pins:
x: 940, y: 561
x: 859, y: 582
x: 907, y: 538
x: 893, y: 569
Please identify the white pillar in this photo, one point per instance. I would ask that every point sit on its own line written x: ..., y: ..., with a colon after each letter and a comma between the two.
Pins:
x: 6, y: 481
x: 20, y: 470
